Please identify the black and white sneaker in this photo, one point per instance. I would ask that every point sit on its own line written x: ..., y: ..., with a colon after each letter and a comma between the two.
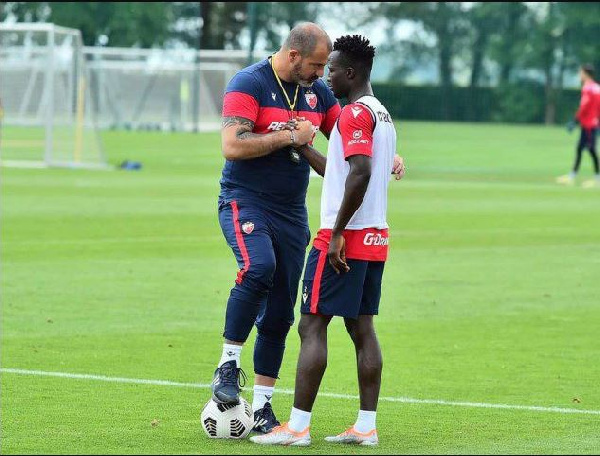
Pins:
x: 264, y: 419
x: 226, y: 385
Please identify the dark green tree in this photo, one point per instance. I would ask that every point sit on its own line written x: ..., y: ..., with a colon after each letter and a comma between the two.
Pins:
x: 143, y: 24
x: 483, y: 25
x: 444, y: 21
x: 544, y: 51
x: 582, y: 29
x: 275, y: 19
x: 221, y: 25
x: 512, y: 22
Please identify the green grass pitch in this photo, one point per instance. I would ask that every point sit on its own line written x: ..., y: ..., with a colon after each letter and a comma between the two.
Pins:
x: 491, y: 296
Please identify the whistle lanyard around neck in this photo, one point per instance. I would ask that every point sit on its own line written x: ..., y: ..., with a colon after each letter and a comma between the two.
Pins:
x: 290, y: 104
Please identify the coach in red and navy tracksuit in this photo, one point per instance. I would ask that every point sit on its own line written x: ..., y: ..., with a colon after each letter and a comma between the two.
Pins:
x: 262, y: 207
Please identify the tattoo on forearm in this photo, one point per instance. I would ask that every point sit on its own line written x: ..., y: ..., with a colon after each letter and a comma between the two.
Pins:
x: 242, y: 133
x: 245, y: 126
x: 229, y: 121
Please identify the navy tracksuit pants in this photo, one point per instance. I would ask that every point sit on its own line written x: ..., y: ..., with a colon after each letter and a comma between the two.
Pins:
x: 270, y: 248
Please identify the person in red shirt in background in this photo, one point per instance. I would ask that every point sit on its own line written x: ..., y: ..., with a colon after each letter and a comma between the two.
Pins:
x: 588, y: 116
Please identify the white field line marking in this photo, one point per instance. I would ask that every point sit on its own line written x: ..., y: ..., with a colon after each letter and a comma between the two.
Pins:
x: 405, y: 400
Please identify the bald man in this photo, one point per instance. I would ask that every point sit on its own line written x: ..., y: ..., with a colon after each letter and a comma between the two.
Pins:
x: 262, y: 204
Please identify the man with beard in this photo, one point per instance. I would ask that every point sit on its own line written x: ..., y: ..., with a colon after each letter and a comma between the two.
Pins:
x: 262, y: 210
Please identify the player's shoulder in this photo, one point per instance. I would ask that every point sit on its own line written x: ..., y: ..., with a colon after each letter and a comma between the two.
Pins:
x: 354, y: 107
x: 372, y: 102
x: 357, y: 112
x: 377, y: 108
x: 591, y: 87
x: 248, y: 79
x: 320, y: 87
x: 368, y: 104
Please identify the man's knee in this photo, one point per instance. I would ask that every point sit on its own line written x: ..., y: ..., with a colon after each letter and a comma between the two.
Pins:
x: 361, y: 329
x: 313, y: 337
x: 272, y: 337
x: 259, y: 275
x: 275, y: 332
x: 313, y: 326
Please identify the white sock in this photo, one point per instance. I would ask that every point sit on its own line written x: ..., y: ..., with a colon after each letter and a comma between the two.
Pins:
x: 365, y: 421
x: 572, y: 175
x: 262, y: 395
x: 230, y: 352
x: 299, y: 420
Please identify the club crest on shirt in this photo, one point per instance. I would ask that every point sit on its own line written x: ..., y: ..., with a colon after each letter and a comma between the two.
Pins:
x: 248, y: 227
x: 311, y: 100
x: 357, y: 134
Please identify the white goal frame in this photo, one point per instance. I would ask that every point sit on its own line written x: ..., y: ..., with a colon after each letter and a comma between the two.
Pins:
x: 44, y: 84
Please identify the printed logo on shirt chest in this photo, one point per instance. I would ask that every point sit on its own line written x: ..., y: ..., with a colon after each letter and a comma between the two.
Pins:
x: 311, y: 100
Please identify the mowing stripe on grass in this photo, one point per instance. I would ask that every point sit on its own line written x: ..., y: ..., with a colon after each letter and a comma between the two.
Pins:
x: 405, y: 400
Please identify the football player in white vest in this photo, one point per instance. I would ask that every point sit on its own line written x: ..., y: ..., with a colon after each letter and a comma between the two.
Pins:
x: 345, y: 266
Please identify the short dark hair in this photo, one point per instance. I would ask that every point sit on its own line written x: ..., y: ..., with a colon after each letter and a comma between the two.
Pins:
x: 355, y: 49
x: 588, y: 69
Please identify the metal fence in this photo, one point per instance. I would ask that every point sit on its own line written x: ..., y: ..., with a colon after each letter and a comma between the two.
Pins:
x: 160, y: 89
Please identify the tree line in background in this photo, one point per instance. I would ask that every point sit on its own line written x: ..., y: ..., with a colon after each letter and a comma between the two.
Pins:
x: 522, y: 49
x: 527, y: 44
x: 200, y: 25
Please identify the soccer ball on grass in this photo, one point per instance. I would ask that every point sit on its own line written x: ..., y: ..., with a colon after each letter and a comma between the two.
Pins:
x: 227, y: 421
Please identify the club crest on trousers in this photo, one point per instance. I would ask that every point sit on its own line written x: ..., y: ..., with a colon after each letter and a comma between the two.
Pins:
x: 248, y: 227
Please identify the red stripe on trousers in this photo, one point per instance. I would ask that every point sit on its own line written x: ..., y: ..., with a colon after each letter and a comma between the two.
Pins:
x: 316, y: 288
x: 240, y: 242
